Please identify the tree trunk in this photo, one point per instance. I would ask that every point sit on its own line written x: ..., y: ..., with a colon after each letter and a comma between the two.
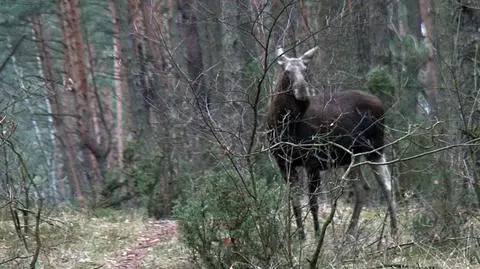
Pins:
x: 121, y: 86
x: 413, y: 17
x: 66, y: 102
x: 194, y: 52
x: 361, y: 30
x: 100, y: 135
x: 213, y: 39
x: 466, y: 22
x: 76, y: 50
x: 78, y: 84
x: 379, y: 33
x: 112, y: 157
x: 156, y: 65
x: 152, y: 21
x: 141, y: 90
x: 63, y: 142
x: 94, y: 144
x: 431, y: 66
x: 38, y: 134
x: 45, y: 63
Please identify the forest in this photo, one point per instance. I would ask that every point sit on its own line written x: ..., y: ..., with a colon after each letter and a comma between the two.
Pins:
x: 134, y: 133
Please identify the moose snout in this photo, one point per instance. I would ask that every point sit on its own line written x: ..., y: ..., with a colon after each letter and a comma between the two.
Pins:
x: 300, y: 93
x: 300, y: 89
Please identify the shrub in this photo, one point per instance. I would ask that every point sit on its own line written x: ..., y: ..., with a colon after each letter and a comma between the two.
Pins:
x: 228, y: 221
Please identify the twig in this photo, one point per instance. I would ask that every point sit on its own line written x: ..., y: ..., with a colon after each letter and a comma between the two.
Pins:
x: 321, y: 238
x: 396, y: 247
x: 14, y: 49
x: 382, y: 231
x: 13, y: 258
x: 396, y: 265
x: 473, y: 142
x: 38, y: 240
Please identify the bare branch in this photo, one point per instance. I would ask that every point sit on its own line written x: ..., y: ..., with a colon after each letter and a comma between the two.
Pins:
x: 12, y: 52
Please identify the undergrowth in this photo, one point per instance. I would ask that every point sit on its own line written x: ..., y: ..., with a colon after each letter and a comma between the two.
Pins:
x: 73, y: 239
x: 94, y: 239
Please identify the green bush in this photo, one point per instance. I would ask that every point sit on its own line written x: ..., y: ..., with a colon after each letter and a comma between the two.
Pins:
x: 229, y: 219
x: 380, y: 82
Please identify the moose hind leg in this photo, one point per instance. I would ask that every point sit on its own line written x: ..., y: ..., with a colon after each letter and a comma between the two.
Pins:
x: 313, y: 185
x: 295, y: 194
x: 297, y: 211
x: 382, y: 174
x: 359, y: 192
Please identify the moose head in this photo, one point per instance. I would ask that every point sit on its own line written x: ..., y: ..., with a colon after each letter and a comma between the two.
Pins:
x: 295, y: 70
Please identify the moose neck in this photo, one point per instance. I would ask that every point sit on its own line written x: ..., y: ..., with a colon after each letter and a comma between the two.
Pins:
x: 284, y: 107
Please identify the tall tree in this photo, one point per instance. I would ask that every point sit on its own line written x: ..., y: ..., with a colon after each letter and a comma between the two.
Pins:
x: 362, y: 32
x: 121, y: 86
x: 86, y: 99
x: 379, y: 32
x: 58, y: 131
x: 431, y: 65
x: 466, y: 22
x: 210, y: 14
x: 141, y: 89
x: 68, y: 102
x: 194, y: 52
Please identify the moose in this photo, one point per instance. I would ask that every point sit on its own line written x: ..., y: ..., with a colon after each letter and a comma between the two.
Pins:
x: 318, y: 131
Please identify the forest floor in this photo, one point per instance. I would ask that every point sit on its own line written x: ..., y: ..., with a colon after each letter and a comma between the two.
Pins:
x: 118, y: 239
x: 157, y: 233
x: 96, y: 239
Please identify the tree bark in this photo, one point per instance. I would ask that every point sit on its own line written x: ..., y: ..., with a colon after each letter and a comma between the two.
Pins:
x: 431, y: 66
x: 79, y: 86
x: 64, y: 150
x: 76, y: 50
x: 361, y: 31
x: 466, y: 22
x: 194, y: 52
x: 213, y: 39
x: 413, y: 18
x: 100, y: 135
x: 379, y: 33
x: 152, y: 21
x: 66, y: 102
x: 45, y: 63
x: 112, y: 157
x: 157, y: 71
x: 141, y: 91
x: 121, y: 86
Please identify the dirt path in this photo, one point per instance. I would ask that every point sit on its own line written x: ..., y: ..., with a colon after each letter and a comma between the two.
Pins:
x: 155, y: 232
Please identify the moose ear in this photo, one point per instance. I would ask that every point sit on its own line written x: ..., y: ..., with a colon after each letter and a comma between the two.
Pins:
x: 307, y: 56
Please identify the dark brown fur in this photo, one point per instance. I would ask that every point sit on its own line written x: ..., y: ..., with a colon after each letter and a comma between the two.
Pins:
x: 352, y: 119
x: 307, y: 134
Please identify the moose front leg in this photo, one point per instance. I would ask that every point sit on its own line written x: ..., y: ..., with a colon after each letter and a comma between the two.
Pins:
x: 385, y: 180
x: 295, y: 191
x: 313, y: 188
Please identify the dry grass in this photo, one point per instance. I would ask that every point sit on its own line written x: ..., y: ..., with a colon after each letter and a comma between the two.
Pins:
x: 168, y: 255
x: 75, y: 239
x: 372, y: 249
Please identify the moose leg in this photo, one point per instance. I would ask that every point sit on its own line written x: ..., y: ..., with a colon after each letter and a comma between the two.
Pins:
x: 292, y: 180
x: 297, y: 209
x: 359, y: 192
x: 385, y: 180
x: 313, y: 184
